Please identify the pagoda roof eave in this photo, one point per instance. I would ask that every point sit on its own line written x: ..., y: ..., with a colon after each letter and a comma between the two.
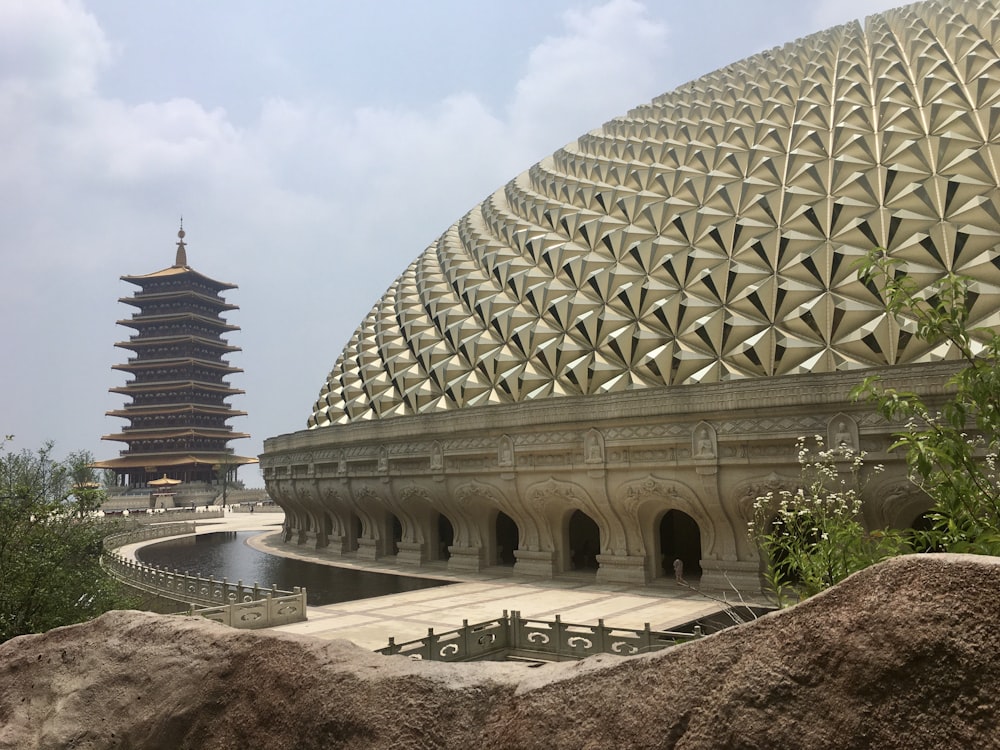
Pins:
x: 171, y: 271
x: 166, y: 459
x: 135, y: 436
x: 138, y: 300
x: 139, y: 321
x: 152, y: 363
x: 137, y: 344
x: 154, y: 409
x: 130, y: 388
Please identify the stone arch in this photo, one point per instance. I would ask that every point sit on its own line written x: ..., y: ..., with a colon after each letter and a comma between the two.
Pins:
x: 378, y: 537
x: 416, y: 511
x: 678, y: 537
x: 745, y: 497
x: 646, y: 501
x: 346, y: 524
x: 483, y: 502
x: 745, y: 494
x: 895, y: 505
x: 309, y: 512
x: 552, y: 502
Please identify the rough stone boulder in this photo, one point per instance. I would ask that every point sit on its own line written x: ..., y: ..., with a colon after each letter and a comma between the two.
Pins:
x: 903, y: 655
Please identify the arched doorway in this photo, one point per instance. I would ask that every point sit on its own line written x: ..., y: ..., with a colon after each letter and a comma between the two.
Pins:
x: 446, y: 537
x: 680, y: 539
x: 507, y: 539
x: 354, y: 532
x: 396, y: 536
x: 584, y: 536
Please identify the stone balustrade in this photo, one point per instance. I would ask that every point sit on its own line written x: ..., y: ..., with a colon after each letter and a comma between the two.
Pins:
x: 514, y: 636
x: 233, y: 604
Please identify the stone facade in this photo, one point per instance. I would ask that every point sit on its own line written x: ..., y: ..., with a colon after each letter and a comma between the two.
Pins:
x: 605, y: 362
x: 626, y: 461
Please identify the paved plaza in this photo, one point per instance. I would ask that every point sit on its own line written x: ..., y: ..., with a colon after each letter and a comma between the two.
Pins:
x: 476, y: 598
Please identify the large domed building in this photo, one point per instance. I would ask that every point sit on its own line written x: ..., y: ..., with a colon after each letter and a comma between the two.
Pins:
x: 604, y: 363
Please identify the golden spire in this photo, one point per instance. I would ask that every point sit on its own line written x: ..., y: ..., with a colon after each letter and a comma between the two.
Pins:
x: 181, y: 260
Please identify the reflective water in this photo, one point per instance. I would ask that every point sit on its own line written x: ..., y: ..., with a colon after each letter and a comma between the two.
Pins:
x: 225, y: 554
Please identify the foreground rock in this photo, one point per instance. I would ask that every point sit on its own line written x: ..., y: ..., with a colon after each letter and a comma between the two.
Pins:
x: 904, y: 655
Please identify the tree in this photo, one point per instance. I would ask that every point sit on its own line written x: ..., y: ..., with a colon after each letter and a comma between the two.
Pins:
x: 50, y: 544
x: 951, y: 448
x: 814, y: 537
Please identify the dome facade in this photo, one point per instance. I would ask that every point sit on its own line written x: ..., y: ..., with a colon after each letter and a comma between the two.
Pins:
x: 710, y: 235
x: 655, y: 314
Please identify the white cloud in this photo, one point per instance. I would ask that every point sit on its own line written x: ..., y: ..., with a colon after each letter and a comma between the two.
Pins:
x: 607, y: 59
x: 313, y: 207
x: 50, y: 47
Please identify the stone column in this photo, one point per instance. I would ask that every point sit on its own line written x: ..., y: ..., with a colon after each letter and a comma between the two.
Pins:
x: 535, y: 563
x: 465, y: 559
x: 411, y: 553
x: 630, y: 569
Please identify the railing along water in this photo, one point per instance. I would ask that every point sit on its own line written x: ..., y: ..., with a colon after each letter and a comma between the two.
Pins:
x: 232, y: 604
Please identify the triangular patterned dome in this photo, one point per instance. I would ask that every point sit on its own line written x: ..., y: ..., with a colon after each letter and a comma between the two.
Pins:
x: 712, y: 234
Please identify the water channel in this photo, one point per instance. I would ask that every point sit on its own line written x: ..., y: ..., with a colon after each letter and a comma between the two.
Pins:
x: 226, y: 554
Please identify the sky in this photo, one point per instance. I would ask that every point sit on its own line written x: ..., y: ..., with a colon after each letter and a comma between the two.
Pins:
x: 314, y: 149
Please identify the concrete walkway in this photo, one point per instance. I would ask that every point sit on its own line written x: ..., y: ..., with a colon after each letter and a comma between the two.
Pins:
x: 476, y: 598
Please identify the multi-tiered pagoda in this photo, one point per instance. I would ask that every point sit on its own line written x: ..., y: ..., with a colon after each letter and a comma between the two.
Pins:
x: 177, y: 417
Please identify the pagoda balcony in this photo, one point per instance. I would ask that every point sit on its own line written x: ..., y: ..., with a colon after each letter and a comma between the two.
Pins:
x: 205, y: 392
x: 130, y: 411
x: 204, y: 322
x: 213, y: 301
x: 136, y: 363
x: 174, y: 376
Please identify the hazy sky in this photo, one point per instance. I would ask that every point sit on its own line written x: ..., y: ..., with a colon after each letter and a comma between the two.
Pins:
x: 313, y: 148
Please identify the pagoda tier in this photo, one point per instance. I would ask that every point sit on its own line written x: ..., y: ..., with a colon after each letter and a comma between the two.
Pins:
x: 135, y: 411
x: 162, y: 345
x: 178, y: 411
x: 165, y: 302
x: 178, y: 324
x: 177, y: 394
x: 170, y: 370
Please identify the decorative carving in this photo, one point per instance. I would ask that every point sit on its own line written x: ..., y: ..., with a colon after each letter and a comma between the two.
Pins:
x: 746, y: 494
x: 365, y: 493
x: 842, y: 432
x: 704, y: 441
x: 437, y: 457
x: 413, y: 491
x: 594, y: 447
x: 505, y: 451
x: 635, y: 493
x: 569, y: 493
x: 626, y: 649
x: 466, y: 492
